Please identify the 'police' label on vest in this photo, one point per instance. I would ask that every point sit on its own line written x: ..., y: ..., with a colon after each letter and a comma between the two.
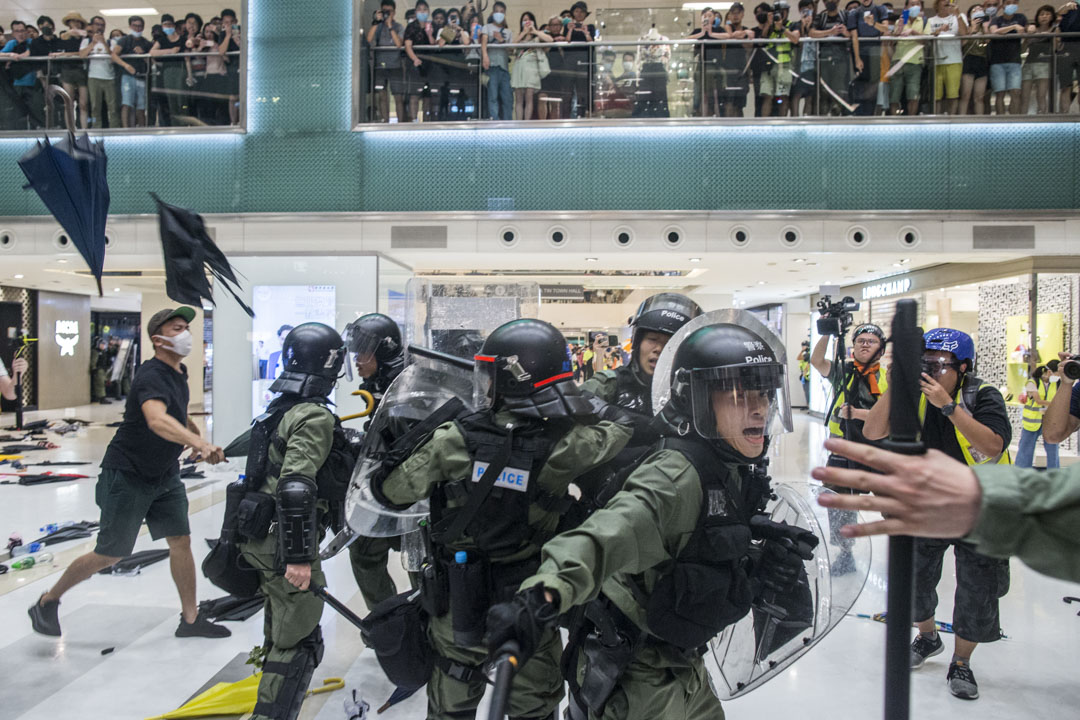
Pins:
x: 511, y: 478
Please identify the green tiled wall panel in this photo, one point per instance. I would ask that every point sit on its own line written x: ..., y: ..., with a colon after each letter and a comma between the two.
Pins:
x: 299, y: 154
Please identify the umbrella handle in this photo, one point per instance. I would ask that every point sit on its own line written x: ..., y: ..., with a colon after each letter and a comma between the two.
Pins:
x: 69, y: 104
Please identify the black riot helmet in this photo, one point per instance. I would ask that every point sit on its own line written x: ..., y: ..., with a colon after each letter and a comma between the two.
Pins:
x: 663, y: 313
x: 312, y: 357
x: 524, y: 366
x: 728, y: 384
x: 374, y: 334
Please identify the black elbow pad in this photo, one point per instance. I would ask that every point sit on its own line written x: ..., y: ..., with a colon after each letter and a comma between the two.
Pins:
x: 298, y: 531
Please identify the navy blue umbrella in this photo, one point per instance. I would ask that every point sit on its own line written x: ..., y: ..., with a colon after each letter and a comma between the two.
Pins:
x: 69, y: 177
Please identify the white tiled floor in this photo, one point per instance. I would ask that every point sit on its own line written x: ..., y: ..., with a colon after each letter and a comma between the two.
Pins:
x: 1031, y: 674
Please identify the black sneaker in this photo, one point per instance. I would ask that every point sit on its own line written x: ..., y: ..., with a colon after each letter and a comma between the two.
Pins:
x: 923, y: 648
x: 962, y: 681
x: 44, y: 617
x: 201, y: 628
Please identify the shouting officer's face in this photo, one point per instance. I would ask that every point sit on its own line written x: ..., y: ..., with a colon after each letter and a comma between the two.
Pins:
x: 867, y: 346
x: 366, y: 365
x: 740, y: 419
x: 649, y: 349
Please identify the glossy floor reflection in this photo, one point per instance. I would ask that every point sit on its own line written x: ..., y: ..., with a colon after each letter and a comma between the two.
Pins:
x: 1030, y: 674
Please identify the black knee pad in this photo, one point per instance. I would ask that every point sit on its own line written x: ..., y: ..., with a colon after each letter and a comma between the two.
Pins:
x: 297, y: 674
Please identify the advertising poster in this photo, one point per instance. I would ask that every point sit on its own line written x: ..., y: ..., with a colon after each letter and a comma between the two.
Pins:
x: 278, y: 309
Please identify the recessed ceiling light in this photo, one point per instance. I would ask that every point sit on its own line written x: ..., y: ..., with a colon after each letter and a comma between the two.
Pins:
x: 129, y: 11
x: 799, y: 260
x: 18, y: 277
x: 695, y: 259
x: 591, y: 259
x: 116, y: 289
x: 760, y: 282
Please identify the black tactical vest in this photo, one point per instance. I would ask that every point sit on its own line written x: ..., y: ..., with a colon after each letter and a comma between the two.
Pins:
x: 631, y: 393
x: 707, y: 588
x: 501, y: 526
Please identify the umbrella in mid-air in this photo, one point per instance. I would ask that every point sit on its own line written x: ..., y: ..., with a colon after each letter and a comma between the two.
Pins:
x: 69, y: 177
x: 189, y: 253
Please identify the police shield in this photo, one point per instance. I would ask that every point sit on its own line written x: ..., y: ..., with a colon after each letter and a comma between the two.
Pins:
x: 661, y: 391
x: 779, y: 630
x: 455, y: 315
x: 420, y: 394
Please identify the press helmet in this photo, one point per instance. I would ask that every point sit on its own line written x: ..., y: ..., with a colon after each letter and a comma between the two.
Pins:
x: 524, y: 365
x: 956, y: 342
x: 312, y: 357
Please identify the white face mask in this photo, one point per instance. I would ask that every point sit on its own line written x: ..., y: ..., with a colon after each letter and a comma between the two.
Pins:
x: 179, y: 344
x: 1054, y: 378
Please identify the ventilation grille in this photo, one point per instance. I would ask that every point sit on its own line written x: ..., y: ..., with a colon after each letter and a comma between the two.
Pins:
x: 418, y: 237
x: 1003, y: 237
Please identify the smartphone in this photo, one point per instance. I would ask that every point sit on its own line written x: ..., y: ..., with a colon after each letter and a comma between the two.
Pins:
x: 904, y: 16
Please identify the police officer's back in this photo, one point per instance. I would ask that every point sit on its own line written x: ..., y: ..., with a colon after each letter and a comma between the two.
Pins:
x: 498, y: 480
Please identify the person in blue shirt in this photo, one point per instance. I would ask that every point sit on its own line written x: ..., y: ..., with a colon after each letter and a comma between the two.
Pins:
x: 867, y: 23
x: 27, y: 98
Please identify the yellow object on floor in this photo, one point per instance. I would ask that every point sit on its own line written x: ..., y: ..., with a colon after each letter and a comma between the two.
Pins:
x: 11, y: 457
x: 236, y: 698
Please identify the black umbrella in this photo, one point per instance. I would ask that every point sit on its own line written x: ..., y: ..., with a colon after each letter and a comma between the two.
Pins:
x: 69, y: 177
x: 189, y: 253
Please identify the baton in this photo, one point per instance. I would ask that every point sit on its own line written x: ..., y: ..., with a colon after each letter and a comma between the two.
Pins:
x: 341, y: 608
x: 904, y: 431
x: 506, y: 666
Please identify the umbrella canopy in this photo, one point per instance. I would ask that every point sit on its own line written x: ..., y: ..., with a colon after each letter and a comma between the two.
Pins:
x: 189, y: 253
x: 235, y: 698
x: 69, y: 177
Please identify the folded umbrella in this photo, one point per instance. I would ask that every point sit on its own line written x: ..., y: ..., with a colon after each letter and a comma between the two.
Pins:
x: 189, y: 254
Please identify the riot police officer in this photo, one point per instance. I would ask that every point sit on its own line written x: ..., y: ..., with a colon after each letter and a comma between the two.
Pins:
x: 374, y: 342
x: 498, y: 479
x: 656, y: 320
x: 293, y: 491
x: 667, y: 557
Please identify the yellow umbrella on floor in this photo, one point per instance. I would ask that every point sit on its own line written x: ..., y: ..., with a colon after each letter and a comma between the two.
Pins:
x: 236, y: 698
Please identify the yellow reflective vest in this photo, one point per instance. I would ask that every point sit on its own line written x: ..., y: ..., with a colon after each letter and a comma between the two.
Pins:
x: 1033, y: 412
x: 971, y: 455
x: 834, y: 413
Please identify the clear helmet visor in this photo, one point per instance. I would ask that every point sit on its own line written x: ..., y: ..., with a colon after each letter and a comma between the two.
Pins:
x: 741, y: 404
x: 484, y: 372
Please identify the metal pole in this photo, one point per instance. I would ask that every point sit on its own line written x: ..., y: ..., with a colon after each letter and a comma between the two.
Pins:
x: 1033, y: 318
x: 817, y: 78
x: 1054, y: 89
x: 933, y: 77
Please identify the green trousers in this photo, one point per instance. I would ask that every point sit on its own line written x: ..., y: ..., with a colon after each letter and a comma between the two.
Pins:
x: 98, y: 384
x: 292, y: 615
x: 368, y: 556
x: 653, y: 688
x: 537, y: 688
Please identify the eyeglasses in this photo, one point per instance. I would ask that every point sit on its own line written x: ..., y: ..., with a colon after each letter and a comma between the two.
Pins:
x: 870, y: 342
x: 938, y: 367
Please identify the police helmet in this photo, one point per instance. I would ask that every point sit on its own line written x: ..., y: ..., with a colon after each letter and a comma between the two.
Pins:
x: 663, y: 313
x: 374, y: 334
x: 312, y: 357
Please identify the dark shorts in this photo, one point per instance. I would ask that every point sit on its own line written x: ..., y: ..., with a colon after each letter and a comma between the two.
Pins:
x: 976, y: 65
x: 980, y: 582
x: 1068, y: 67
x: 392, y: 78
x: 126, y: 501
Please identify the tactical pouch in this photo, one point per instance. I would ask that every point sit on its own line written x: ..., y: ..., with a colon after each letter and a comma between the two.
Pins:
x: 396, y: 629
x: 434, y: 592
x: 604, y: 665
x: 470, y: 599
x: 255, y: 513
x: 224, y: 565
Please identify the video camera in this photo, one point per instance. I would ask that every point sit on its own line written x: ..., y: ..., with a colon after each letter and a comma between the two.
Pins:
x: 835, y: 317
x: 1070, y: 368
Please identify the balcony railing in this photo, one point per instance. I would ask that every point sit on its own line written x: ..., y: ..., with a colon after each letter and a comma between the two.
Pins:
x: 918, y: 78
x: 182, y: 90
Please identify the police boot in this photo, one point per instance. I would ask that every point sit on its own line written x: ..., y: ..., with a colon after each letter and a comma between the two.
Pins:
x: 287, y: 675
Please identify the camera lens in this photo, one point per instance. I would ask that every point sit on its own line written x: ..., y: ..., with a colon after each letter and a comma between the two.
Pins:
x: 1071, y: 369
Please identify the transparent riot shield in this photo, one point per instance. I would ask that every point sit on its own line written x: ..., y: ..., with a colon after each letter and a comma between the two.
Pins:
x: 425, y: 386
x: 455, y: 315
x: 779, y: 630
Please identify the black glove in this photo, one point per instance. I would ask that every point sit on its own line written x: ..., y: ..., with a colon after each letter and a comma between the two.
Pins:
x: 641, y: 424
x: 524, y: 620
x: 777, y: 570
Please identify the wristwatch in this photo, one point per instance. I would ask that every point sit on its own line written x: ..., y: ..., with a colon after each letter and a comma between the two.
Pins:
x: 947, y: 410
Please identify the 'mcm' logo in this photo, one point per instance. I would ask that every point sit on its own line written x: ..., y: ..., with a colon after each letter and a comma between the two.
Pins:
x: 67, y: 336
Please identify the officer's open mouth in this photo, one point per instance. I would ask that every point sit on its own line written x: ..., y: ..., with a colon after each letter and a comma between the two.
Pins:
x: 754, y: 434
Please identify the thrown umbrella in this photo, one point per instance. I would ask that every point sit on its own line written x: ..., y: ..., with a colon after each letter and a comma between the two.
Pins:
x: 69, y: 177
x: 189, y: 253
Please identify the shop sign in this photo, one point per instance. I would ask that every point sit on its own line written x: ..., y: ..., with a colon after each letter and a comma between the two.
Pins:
x: 562, y: 292
x: 886, y: 289
x: 67, y: 336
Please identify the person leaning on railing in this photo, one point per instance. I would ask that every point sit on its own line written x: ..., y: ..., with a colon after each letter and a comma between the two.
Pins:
x: 101, y: 80
x: 976, y: 70
x: 907, y: 60
x: 834, y: 59
x: 1005, y: 71
x: 1035, y: 75
x: 1068, y: 56
x: 948, y: 22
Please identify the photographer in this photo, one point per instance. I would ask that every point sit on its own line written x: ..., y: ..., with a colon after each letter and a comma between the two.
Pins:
x: 1040, y: 391
x: 776, y: 81
x: 1062, y: 416
x: 966, y: 419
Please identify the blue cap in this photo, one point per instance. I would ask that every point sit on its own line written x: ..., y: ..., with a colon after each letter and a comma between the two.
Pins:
x: 461, y: 557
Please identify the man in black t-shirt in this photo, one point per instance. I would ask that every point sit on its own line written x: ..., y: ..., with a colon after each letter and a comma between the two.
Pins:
x: 133, y: 85
x: 966, y: 419
x: 1004, y: 56
x: 140, y: 478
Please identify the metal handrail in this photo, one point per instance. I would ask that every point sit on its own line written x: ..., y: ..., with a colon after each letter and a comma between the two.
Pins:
x: 134, y: 56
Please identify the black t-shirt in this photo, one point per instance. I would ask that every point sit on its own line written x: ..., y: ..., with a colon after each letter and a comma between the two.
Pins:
x: 127, y: 46
x: 824, y: 22
x: 734, y: 55
x: 579, y: 35
x: 135, y: 449
x: 176, y: 41
x: 42, y: 48
x: 415, y: 31
x: 1006, y: 51
x: 940, y: 433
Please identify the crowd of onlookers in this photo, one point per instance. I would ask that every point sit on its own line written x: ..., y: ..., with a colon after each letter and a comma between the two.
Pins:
x: 175, y: 73
x: 818, y: 58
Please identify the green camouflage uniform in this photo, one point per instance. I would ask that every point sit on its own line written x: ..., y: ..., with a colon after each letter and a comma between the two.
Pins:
x: 538, y: 687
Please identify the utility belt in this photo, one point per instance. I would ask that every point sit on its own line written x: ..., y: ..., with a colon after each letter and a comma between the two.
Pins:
x: 608, y: 640
x: 467, y: 590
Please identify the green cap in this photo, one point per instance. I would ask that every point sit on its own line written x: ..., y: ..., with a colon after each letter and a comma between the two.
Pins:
x: 163, y: 316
